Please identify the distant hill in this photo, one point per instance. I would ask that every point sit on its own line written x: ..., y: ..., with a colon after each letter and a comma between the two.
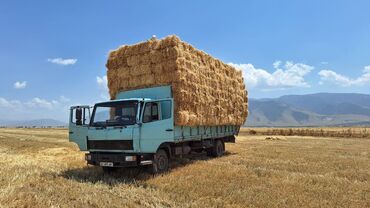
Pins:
x: 330, y: 103
x: 31, y: 123
x: 322, y: 109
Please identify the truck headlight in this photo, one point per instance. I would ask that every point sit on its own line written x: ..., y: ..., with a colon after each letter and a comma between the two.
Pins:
x: 130, y: 158
x: 87, y: 157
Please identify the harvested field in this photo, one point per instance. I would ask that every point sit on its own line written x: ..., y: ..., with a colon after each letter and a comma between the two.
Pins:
x: 206, y: 91
x: 348, y: 132
x: 40, y: 168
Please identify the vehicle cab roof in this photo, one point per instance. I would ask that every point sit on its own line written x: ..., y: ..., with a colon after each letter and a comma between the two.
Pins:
x: 120, y: 100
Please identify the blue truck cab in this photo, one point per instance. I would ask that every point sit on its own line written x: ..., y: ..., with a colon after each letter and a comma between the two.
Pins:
x: 137, y: 128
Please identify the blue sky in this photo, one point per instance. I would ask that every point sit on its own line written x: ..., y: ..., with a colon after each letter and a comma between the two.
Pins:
x: 53, y: 54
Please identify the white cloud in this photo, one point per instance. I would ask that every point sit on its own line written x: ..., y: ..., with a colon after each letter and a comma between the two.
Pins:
x: 64, y: 99
x: 35, y: 102
x: 4, y: 103
x: 62, y: 61
x: 34, y: 108
x: 102, y: 81
x: 103, y: 85
x: 41, y: 103
x: 276, y: 64
x: 339, y: 79
x: 366, y: 69
x: 20, y: 85
x: 288, y: 76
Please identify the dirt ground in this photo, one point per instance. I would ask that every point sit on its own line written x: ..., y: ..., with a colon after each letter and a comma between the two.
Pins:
x: 40, y: 168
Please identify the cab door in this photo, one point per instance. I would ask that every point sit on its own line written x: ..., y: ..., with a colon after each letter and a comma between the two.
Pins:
x: 157, y: 124
x: 79, y: 120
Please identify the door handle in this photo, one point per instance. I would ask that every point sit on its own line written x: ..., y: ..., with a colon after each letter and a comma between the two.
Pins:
x: 71, y: 132
x: 169, y: 129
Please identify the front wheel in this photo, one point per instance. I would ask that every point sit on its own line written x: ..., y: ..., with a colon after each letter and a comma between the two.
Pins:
x: 160, y: 162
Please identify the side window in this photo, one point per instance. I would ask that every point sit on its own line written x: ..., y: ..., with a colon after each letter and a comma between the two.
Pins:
x: 147, y: 113
x: 150, y: 112
x: 155, y: 116
x: 80, y: 116
x: 86, y: 116
x: 73, y: 116
x: 166, y: 109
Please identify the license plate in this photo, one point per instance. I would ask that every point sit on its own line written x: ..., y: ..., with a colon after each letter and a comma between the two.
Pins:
x: 106, y: 164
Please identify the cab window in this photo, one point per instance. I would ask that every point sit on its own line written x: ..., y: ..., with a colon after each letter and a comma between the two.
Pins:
x: 166, y: 109
x: 150, y: 112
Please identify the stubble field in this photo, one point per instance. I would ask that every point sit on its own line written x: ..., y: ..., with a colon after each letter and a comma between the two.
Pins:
x: 40, y: 168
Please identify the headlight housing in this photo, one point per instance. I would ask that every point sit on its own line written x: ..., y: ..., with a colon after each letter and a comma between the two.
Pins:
x: 130, y: 158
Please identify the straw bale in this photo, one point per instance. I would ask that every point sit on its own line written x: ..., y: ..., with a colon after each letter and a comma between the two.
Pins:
x: 206, y: 91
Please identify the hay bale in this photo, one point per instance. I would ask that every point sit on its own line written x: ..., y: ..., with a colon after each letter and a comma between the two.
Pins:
x: 206, y: 91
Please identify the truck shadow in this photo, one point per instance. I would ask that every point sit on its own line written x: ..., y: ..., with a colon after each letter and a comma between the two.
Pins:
x: 92, y: 174
x: 134, y: 175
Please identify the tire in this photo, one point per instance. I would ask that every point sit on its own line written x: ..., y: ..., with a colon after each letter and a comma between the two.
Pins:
x: 109, y: 170
x: 217, y: 150
x: 160, y: 162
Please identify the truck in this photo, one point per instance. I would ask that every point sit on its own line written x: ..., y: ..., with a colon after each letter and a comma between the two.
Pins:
x: 137, y: 128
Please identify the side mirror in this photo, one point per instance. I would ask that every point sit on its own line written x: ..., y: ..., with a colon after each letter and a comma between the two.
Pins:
x: 78, y: 116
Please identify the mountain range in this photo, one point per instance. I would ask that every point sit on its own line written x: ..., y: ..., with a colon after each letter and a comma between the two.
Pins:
x: 32, y: 123
x: 321, y: 109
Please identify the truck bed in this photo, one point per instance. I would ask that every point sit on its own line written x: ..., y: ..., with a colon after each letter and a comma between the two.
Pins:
x: 187, y: 133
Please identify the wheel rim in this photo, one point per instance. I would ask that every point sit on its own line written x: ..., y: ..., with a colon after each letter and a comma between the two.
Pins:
x: 161, y: 163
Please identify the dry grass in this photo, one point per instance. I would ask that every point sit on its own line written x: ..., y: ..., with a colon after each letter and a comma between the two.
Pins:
x: 343, y: 132
x: 40, y: 168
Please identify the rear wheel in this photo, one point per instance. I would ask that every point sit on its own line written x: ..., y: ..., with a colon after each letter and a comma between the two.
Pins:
x: 217, y: 150
x: 160, y: 162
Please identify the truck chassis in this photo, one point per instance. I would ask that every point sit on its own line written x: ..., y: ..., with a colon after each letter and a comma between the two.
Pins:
x: 160, y: 161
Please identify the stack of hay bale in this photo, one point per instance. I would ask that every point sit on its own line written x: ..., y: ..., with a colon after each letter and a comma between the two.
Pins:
x: 206, y: 91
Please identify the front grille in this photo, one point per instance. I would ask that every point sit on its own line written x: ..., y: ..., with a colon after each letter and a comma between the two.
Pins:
x: 108, y: 157
x: 110, y: 144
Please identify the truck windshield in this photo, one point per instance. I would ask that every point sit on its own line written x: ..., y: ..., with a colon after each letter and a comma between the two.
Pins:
x: 114, y: 114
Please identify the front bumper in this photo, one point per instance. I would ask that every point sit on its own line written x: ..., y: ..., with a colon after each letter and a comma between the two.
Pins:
x: 118, y: 159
